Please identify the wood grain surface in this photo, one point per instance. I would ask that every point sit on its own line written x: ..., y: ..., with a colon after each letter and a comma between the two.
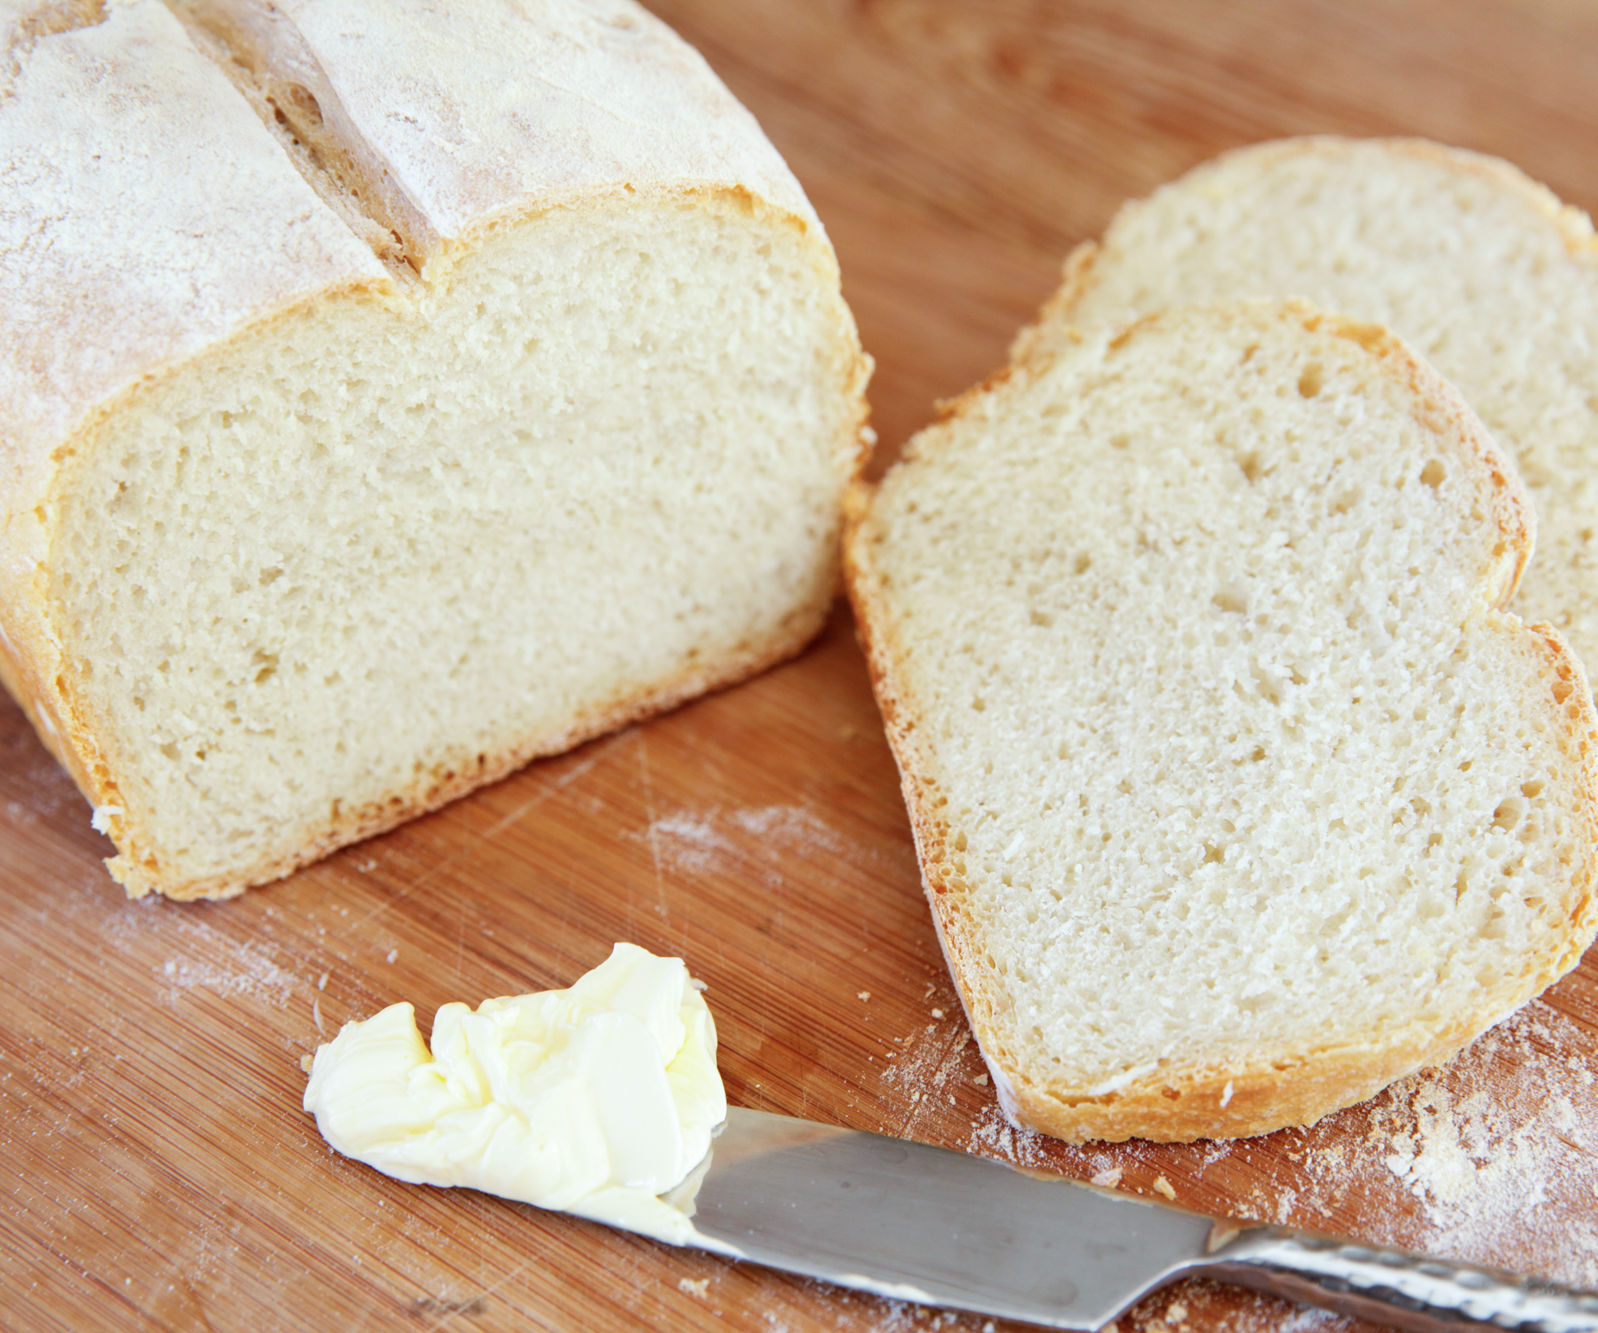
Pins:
x: 156, y: 1169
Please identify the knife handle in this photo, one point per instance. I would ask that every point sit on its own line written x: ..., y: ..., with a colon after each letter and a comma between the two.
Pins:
x: 1397, y: 1289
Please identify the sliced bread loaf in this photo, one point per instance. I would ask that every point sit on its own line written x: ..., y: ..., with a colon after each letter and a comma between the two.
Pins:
x: 1237, y: 793
x: 390, y: 393
x: 1478, y: 268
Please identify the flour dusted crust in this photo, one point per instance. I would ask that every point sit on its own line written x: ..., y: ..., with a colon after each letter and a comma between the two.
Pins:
x: 444, y: 127
x: 157, y: 206
x: 101, y: 297
x: 1294, y: 1084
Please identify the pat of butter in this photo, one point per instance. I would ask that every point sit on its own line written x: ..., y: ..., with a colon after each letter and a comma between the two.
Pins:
x: 593, y: 1100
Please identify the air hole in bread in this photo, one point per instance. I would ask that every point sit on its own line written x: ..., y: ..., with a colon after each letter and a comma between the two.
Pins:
x: 1509, y: 813
x: 1229, y: 601
x: 1311, y: 380
x: 1432, y: 473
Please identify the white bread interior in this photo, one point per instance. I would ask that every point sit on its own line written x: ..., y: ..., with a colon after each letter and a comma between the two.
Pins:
x: 305, y: 580
x: 1480, y: 269
x: 290, y: 553
x: 1236, y: 791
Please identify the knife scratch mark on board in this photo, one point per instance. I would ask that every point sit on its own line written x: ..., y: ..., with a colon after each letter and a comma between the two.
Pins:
x: 477, y: 1304
x: 421, y: 881
x: 651, y: 834
x: 460, y: 936
x: 552, y: 787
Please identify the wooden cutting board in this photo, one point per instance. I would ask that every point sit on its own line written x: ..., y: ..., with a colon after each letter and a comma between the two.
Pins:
x: 157, y: 1170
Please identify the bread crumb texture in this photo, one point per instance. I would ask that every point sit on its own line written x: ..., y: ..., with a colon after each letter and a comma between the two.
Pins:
x: 365, y: 551
x: 1236, y: 793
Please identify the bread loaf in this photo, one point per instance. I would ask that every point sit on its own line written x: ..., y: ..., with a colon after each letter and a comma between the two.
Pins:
x: 1480, y: 269
x: 390, y: 392
x: 1237, y: 792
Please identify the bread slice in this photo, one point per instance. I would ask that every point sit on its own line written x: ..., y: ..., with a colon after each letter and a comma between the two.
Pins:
x: 1237, y: 793
x: 1481, y: 270
x: 391, y: 393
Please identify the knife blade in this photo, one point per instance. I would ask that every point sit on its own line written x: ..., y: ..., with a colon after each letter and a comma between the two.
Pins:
x: 913, y: 1222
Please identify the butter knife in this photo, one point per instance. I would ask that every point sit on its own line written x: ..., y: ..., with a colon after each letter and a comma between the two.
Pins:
x: 917, y: 1223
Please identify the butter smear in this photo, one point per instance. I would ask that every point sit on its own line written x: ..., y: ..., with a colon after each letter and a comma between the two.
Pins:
x: 594, y: 1100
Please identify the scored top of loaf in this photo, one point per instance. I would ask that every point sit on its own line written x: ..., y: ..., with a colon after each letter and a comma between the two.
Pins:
x: 439, y: 111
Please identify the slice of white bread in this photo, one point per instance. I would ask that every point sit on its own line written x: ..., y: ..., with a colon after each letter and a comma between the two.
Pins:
x: 1481, y: 270
x: 1237, y: 793
x: 391, y: 393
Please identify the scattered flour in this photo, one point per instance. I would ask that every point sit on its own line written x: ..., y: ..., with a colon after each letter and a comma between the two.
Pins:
x: 206, y: 958
x: 718, y: 839
x: 690, y: 842
x: 1492, y: 1159
x: 994, y: 1136
x: 226, y: 967
x: 925, y: 1071
x: 1500, y: 1148
x: 883, y: 1315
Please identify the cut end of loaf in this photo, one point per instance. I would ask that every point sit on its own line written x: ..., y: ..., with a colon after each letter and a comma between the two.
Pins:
x: 365, y: 558
x: 1226, y: 768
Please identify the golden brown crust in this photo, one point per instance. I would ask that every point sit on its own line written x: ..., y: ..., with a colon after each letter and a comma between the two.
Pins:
x: 1031, y: 343
x: 1440, y: 409
x: 1278, y: 1089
